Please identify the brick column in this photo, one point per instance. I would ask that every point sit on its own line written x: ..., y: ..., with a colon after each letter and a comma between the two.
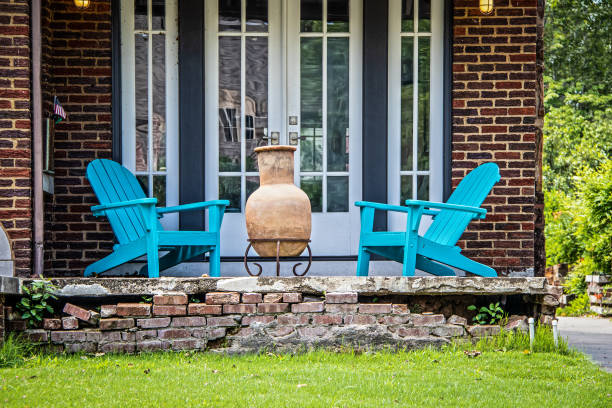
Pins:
x: 15, y: 131
x: 494, y: 119
x: 80, y: 76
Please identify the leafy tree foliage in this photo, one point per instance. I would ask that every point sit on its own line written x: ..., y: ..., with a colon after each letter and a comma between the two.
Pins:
x: 578, y: 44
x: 578, y: 135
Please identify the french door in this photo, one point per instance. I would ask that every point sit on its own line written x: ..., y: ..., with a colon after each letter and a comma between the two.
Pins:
x: 286, y: 72
x: 415, y: 100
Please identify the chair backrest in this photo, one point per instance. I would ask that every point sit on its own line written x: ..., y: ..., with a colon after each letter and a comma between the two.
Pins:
x: 448, y: 225
x: 114, y: 183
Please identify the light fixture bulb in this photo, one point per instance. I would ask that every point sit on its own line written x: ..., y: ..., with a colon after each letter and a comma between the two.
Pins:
x: 82, y: 4
x: 486, y: 6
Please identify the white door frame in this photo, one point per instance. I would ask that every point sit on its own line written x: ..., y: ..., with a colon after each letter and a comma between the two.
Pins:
x: 397, y: 221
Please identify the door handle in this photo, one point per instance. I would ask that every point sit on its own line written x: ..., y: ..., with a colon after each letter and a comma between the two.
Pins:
x: 293, y: 138
x: 274, y: 138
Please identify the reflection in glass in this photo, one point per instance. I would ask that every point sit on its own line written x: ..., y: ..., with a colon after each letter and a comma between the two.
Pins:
x: 252, y: 183
x: 257, y: 15
x: 337, y: 193
x: 141, y: 52
x: 159, y: 103
x: 143, y: 180
x: 140, y: 15
x: 338, y: 16
x: 229, y: 103
x: 159, y: 190
x: 313, y: 187
x: 311, y: 16
x: 406, y: 103
x: 256, y: 98
x: 424, y: 15
x: 422, y: 187
x: 405, y: 189
x: 229, y: 189
x: 229, y: 15
x: 337, y: 104
x: 423, y: 121
x: 311, y: 104
x: 407, y: 15
x: 159, y: 14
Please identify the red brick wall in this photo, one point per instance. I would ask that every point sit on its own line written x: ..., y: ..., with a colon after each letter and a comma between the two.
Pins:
x: 15, y: 147
x: 79, y: 61
x: 494, y: 119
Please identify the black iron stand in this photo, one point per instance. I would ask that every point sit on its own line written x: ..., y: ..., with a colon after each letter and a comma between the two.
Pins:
x: 278, y: 242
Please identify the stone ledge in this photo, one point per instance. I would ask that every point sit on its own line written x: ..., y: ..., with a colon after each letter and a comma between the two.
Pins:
x: 369, y: 286
x: 10, y: 285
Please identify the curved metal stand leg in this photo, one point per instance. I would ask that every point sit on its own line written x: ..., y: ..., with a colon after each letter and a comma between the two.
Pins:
x: 246, y: 264
x: 277, y: 258
x: 307, y: 267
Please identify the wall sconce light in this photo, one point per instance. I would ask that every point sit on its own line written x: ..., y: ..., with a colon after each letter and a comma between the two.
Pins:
x: 486, y: 6
x: 82, y: 4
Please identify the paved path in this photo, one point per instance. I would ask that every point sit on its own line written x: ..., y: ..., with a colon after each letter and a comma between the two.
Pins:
x: 592, y: 336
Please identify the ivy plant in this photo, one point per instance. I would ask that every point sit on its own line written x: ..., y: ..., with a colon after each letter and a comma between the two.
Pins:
x: 34, y: 304
x: 488, y: 315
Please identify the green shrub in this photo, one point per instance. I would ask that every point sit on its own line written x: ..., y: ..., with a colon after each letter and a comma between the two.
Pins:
x: 596, y: 226
x: 577, y: 307
x: 488, y: 315
x: 14, y: 351
x: 35, y: 302
x: 561, y: 215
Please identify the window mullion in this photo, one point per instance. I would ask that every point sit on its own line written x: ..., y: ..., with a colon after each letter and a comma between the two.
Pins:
x: 415, y: 100
x: 150, y: 95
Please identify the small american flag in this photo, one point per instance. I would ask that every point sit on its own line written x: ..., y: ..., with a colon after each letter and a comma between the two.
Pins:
x: 58, y: 112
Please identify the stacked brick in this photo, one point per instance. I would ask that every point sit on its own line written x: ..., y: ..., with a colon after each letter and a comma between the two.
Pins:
x: 78, y: 61
x: 15, y: 130
x: 495, y: 119
x: 243, y: 322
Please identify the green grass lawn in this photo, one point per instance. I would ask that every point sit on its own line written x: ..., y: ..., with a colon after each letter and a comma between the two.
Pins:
x: 317, y: 379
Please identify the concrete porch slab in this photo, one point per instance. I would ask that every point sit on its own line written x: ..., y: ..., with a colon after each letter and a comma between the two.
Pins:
x: 375, y: 285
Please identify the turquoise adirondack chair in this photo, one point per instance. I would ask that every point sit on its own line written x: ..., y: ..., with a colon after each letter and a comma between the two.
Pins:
x: 432, y: 251
x: 134, y: 220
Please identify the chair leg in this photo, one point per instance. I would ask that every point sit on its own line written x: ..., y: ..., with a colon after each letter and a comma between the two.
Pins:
x: 468, y: 265
x: 367, y: 225
x: 363, y: 262
x: 410, y: 254
x: 215, y: 262
x: 432, y: 267
x: 152, y: 255
x: 106, y: 263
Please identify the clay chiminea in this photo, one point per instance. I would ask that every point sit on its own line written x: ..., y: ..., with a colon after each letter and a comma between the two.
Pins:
x: 278, y: 209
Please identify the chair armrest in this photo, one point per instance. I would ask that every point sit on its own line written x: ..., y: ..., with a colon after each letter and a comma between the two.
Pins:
x: 193, y: 206
x: 100, y: 209
x: 383, y: 207
x: 477, y: 211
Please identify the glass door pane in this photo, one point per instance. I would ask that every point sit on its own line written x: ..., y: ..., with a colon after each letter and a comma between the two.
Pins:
x: 324, y: 104
x: 149, y: 49
x: 415, y: 102
x: 243, y: 96
x: 323, y: 93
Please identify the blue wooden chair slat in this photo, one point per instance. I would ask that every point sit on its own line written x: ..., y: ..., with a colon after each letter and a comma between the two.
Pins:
x: 96, y: 173
x: 116, y: 186
x: 436, y: 248
x: 134, y: 220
